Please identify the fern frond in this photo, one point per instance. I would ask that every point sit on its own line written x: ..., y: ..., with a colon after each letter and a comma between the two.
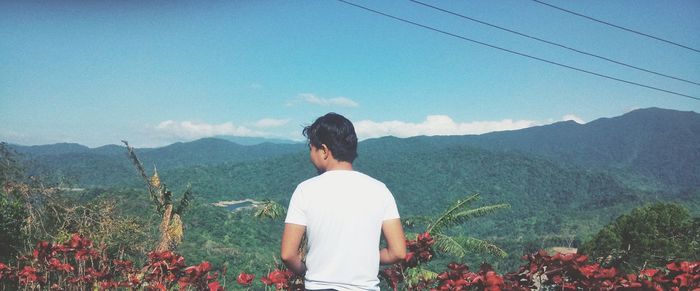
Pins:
x: 447, y: 244
x: 465, y: 215
x: 455, y: 208
x: 462, y: 245
x: 482, y: 246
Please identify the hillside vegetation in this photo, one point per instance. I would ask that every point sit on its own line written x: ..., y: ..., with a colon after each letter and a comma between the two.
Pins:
x: 564, y: 181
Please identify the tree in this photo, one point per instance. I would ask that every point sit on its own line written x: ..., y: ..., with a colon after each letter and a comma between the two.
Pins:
x: 171, y: 228
x: 648, y: 236
x: 10, y: 169
x: 12, y: 212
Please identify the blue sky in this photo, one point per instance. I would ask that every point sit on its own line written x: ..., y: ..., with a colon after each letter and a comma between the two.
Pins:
x: 97, y: 72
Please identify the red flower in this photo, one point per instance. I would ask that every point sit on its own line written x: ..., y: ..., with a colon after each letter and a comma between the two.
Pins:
x: 245, y: 279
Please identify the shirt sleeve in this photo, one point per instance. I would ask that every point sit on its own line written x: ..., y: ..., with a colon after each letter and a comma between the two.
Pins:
x: 295, y: 212
x: 391, y: 211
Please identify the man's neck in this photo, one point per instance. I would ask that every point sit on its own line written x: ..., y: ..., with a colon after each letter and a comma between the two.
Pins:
x: 339, y: 165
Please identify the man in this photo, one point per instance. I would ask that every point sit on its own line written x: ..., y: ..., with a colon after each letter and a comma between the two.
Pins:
x: 343, y: 213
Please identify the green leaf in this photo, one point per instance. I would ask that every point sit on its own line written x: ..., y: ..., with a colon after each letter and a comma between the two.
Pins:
x: 269, y: 209
x: 446, y: 216
x: 465, y: 215
x: 462, y: 245
x: 417, y: 274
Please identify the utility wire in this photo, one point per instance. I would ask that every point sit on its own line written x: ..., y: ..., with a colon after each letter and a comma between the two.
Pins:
x: 515, y: 52
x: 617, y: 26
x: 554, y: 43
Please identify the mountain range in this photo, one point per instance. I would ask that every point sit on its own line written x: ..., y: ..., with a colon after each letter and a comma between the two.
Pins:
x: 659, y: 146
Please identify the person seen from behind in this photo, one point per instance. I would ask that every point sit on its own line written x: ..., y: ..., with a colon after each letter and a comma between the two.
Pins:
x: 343, y: 214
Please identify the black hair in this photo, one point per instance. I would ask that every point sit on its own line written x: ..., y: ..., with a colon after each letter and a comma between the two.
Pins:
x: 337, y: 133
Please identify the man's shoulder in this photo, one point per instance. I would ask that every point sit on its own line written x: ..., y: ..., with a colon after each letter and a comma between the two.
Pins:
x: 368, y: 178
x: 340, y: 177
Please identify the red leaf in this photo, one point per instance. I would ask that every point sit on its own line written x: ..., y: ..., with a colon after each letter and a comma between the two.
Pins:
x: 245, y: 279
x: 606, y: 273
x: 204, y: 266
x: 74, y: 241
x: 214, y: 286
x: 183, y: 283
x: 649, y: 272
x: 681, y: 280
x: 589, y: 270
x: 557, y: 279
x: 492, y: 279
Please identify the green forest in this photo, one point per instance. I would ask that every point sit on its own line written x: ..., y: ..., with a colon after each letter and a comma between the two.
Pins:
x: 624, y: 191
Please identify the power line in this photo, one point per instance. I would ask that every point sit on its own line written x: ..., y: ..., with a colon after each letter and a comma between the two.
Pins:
x: 515, y: 52
x: 554, y: 43
x: 617, y: 26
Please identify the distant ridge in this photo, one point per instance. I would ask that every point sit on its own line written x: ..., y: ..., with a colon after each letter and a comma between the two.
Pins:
x: 108, y: 165
x: 244, y: 140
x: 659, y: 144
x: 51, y: 149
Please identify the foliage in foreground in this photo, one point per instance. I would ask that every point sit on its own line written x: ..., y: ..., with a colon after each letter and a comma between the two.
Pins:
x: 77, y: 265
x: 543, y: 272
x: 649, y: 235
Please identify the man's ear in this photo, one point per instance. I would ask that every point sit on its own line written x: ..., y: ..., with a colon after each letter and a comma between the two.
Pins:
x: 326, y: 151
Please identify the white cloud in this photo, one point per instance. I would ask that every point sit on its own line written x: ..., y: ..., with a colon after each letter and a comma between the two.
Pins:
x: 270, y: 122
x: 573, y: 117
x: 336, y: 101
x: 194, y: 130
x: 436, y: 125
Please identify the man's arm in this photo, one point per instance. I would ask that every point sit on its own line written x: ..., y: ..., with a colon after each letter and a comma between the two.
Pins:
x: 289, y: 250
x: 395, y: 250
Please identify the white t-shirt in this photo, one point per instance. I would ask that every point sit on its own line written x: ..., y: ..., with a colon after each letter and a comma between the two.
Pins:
x: 343, y: 213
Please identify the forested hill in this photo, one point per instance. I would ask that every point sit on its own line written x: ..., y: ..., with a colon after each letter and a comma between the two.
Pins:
x: 658, y: 146
x: 552, y: 203
x: 109, y: 166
